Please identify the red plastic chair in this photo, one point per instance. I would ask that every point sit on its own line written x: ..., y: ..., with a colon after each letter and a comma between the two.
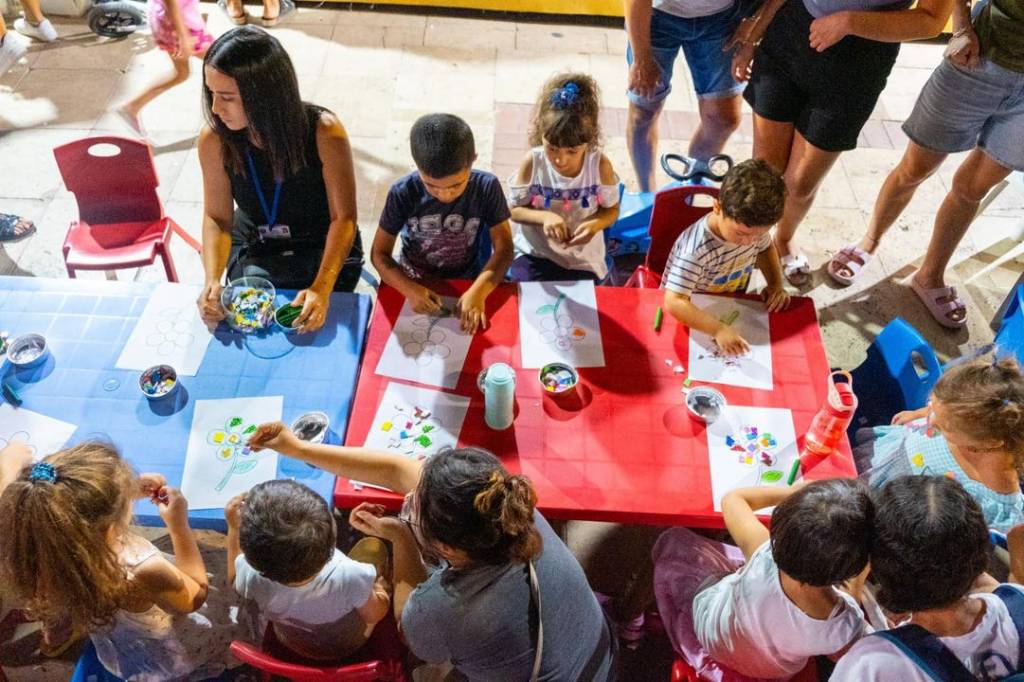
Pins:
x: 682, y: 672
x: 382, y: 654
x: 673, y: 212
x: 121, y: 221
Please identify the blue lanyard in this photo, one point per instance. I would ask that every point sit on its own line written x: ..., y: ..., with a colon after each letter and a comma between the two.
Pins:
x: 271, y: 214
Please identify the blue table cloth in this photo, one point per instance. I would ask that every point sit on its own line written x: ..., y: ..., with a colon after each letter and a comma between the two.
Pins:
x: 86, y: 324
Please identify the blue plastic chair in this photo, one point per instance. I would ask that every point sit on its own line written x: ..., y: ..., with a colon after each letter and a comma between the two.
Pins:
x: 889, y: 380
x: 1010, y: 339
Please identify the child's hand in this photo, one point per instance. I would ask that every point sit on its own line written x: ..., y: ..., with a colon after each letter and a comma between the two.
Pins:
x: 471, y: 308
x: 15, y: 457
x: 150, y: 485
x: 369, y: 519
x: 555, y: 228
x: 904, y: 417
x: 274, y: 436
x: 730, y: 342
x: 775, y: 298
x: 425, y: 302
x: 233, y: 511
x: 584, y: 232
x: 185, y: 45
x: 173, y: 508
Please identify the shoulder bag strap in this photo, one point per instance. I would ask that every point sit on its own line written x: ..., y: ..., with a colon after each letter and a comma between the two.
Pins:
x: 539, y: 646
x: 928, y: 653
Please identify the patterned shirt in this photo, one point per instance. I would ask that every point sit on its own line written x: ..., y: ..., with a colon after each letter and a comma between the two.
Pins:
x: 703, y: 262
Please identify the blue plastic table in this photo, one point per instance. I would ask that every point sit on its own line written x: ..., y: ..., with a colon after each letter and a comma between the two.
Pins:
x: 86, y: 324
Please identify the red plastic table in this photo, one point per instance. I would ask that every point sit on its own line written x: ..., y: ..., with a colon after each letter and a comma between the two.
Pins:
x: 624, y: 449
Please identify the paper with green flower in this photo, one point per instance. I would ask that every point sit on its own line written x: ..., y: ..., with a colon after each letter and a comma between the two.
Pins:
x: 558, y: 322
x: 219, y: 463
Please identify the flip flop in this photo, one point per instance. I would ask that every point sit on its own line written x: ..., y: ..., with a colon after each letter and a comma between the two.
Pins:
x: 9, y: 228
x: 942, y: 303
x: 851, y: 257
x: 239, y: 20
x: 796, y: 269
x: 285, y: 7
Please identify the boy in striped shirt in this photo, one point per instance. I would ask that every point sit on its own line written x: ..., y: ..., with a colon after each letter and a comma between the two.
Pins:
x: 718, y: 253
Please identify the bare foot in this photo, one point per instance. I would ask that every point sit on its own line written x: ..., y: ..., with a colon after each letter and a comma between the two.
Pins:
x: 130, y: 116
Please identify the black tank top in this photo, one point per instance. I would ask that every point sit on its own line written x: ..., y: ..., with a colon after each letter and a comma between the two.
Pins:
x: 303, y: 204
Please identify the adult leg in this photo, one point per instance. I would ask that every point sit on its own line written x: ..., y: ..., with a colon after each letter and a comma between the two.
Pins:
x: 642, y: 141
x: 917, y: 165
x: 32, y: 11
x: 773, y: 142
x: 808, y: 165
x: 34, y: 24
x: 977, y: 175
x: 719, y: 118
x: 12, y: 47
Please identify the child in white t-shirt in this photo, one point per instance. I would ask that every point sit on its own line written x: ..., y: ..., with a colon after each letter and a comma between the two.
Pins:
x: 928, y: 557
x: 764, y: 608
x: 281, y: 555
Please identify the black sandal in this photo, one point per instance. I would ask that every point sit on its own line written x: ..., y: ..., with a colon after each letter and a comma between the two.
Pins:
x: 9, y: 228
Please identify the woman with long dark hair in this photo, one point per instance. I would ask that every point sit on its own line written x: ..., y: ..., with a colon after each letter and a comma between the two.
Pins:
x: 278, y: 182
x: 506, y: 599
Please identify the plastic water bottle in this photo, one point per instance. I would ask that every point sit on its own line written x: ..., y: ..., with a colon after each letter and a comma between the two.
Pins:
x: 499, y: 396
x: 831, y: 421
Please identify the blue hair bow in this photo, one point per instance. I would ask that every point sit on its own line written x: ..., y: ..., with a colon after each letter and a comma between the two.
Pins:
x: 43, y: 472
x: 565, y: 96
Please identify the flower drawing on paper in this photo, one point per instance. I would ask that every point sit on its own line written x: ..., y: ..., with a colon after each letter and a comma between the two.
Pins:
x: 411, y: 432
x: 756, y: 448
x: 558, y: 329
x: 18, y: 438
x: 231, y: 444
x: 427, y: 343
x: 173, y: 331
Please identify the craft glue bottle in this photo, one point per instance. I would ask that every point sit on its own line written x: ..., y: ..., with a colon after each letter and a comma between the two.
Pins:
x: 499, y: 396
x: 829, y: 424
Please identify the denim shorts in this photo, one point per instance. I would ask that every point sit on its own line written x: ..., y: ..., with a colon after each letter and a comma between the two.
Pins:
x: 701, y: 40
x: 960, y: 109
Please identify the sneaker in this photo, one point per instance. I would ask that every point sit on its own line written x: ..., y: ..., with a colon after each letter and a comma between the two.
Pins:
x: 43, y: 31
x: 12, y: 48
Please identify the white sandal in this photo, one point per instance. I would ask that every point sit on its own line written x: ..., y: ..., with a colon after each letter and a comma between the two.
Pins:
x: 796, y: 269
x: 942, y: 303
x: 853, y: 259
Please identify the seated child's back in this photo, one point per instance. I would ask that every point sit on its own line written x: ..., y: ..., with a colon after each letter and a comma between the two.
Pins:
x: 322, y: 604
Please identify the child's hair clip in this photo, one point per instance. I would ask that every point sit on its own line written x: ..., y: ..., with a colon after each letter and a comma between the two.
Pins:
x: 565, y: 96
x: 41, y: 471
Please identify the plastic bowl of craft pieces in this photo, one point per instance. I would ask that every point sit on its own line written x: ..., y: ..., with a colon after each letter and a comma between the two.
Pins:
x: 705, y: 404
x: 248, y: 304
x: 558, y: 379
x: 159, y: 381
x: 27, y: 350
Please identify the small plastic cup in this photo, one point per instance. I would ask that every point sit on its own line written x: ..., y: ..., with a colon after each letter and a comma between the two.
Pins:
x: 159, y: 381
x: 248, y: 304
x: 312, y: 427
x: 705, y: 404
x: 285, y: 317
x: 558, y: 379
x: 27, y: 350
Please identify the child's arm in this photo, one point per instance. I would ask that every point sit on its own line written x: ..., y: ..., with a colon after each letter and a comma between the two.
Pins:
x: 775, y: 295
x: 218, y: 216
x: 907, y: 416
x: 424, y: 301
x: 179, y: 587
x: 682, y: 308
x: 13, y: 459
x: 605, y: 216
x: 379, y: 468
x: 471, y: 304
x: 233, y: 517
x: 378, y: 605
x: 554, y: 227
x: 1015, y: 546
x: 185, y: 46
x: 738, y: 507
x: 408, y: 565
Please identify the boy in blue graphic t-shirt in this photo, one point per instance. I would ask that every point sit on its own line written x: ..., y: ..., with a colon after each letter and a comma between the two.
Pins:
x: 441, y: 211
x: 718, y: 253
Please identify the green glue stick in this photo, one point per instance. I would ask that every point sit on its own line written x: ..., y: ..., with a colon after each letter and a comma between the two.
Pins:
x: 657, y: 319
x: 794, y: 471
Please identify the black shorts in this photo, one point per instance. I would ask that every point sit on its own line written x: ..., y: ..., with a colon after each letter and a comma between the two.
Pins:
x: 829, y: 95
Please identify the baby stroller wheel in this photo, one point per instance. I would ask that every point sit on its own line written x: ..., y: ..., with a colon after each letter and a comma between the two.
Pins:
x: 115, y: 18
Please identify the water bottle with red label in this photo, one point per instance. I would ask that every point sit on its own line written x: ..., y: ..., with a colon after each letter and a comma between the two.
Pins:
x: 830, y: 423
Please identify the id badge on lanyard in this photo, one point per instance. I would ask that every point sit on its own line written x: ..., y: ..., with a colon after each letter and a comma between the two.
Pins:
x: 270, y: 229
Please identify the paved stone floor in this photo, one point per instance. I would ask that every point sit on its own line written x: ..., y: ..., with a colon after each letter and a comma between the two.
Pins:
x: 379, y: 70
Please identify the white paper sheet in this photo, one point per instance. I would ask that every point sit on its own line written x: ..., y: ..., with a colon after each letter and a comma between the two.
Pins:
x: 558, y: 322
x: 426, y: 349
x: 43, y: 435
x: 708, y: 363
x: 169, y: 331
x: 416, y: 422
x: 218, y: 464
x: 750, y: 446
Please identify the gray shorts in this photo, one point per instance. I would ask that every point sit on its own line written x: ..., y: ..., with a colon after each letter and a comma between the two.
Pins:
x: 960, y: 109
